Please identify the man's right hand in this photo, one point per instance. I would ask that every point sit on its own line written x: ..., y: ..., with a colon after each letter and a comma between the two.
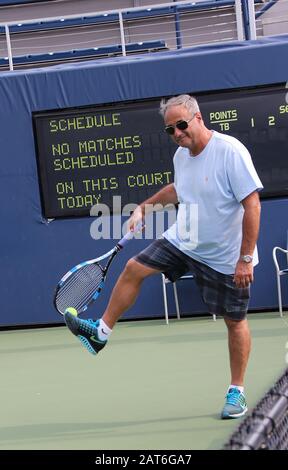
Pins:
x: 166, y: 195
x: 137, y: 219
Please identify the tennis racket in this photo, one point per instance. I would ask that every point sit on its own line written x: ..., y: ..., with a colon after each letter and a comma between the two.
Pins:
x: 81, y: 286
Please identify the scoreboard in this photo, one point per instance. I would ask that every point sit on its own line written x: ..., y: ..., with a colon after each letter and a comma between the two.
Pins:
x: 89, y: 155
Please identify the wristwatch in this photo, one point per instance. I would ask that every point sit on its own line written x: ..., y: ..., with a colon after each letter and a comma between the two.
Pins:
x: 246, y: 258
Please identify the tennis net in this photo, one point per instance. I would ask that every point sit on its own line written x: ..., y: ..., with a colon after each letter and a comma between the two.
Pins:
x: 266, y: 427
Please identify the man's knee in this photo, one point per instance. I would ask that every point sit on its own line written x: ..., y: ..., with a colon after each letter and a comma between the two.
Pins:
x: 235, y: 324
x: 138, y: 271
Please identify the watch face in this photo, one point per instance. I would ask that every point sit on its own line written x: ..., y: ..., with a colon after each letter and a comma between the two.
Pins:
x: 247, y: 258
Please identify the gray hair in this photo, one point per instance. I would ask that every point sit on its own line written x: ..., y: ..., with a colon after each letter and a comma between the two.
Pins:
x: 186, y: 100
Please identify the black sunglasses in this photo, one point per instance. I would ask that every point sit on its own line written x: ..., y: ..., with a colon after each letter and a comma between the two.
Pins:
x: 181, y: 125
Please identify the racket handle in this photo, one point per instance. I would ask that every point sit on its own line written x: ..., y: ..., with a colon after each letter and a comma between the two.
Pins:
x: 129, y: 235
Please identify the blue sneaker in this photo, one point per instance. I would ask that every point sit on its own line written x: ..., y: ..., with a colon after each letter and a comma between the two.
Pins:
x: 235, y: 405
x: 86, y: 331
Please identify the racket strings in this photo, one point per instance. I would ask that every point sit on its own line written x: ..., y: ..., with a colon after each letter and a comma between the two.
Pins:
x: 79, y: 288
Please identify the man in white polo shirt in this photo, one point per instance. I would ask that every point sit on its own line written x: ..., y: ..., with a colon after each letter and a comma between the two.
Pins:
x: 214, y: 236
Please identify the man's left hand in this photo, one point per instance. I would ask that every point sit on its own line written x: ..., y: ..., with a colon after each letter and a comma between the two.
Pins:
x: 243, y: 274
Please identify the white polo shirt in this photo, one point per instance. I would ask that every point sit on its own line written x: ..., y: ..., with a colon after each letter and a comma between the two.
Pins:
x: 210, y: 188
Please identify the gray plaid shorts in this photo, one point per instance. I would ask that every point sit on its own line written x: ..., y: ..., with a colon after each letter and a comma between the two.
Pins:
x: 218, y: 290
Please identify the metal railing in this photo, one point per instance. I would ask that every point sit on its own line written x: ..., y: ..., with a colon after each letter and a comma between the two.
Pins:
x: 272, y: 21
x: 223, y: 20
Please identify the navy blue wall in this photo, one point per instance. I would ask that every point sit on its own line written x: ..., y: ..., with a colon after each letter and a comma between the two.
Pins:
x: 36, y: 253
x: 18, y: 2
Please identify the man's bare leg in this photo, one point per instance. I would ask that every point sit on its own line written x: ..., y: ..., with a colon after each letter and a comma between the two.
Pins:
x: 126, y: 290
x: 239, y: 343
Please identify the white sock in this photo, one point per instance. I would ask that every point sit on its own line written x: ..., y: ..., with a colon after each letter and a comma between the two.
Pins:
x: 237, y: 386
x: 103, y: 331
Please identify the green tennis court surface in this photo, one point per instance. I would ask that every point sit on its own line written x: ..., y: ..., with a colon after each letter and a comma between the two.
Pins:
x: 153, y: 387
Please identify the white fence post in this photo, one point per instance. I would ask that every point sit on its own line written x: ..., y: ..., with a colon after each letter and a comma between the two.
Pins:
x: 239, y: 20
x: 9, y: 50
x: 122, y: 33
x: 252, y: 21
